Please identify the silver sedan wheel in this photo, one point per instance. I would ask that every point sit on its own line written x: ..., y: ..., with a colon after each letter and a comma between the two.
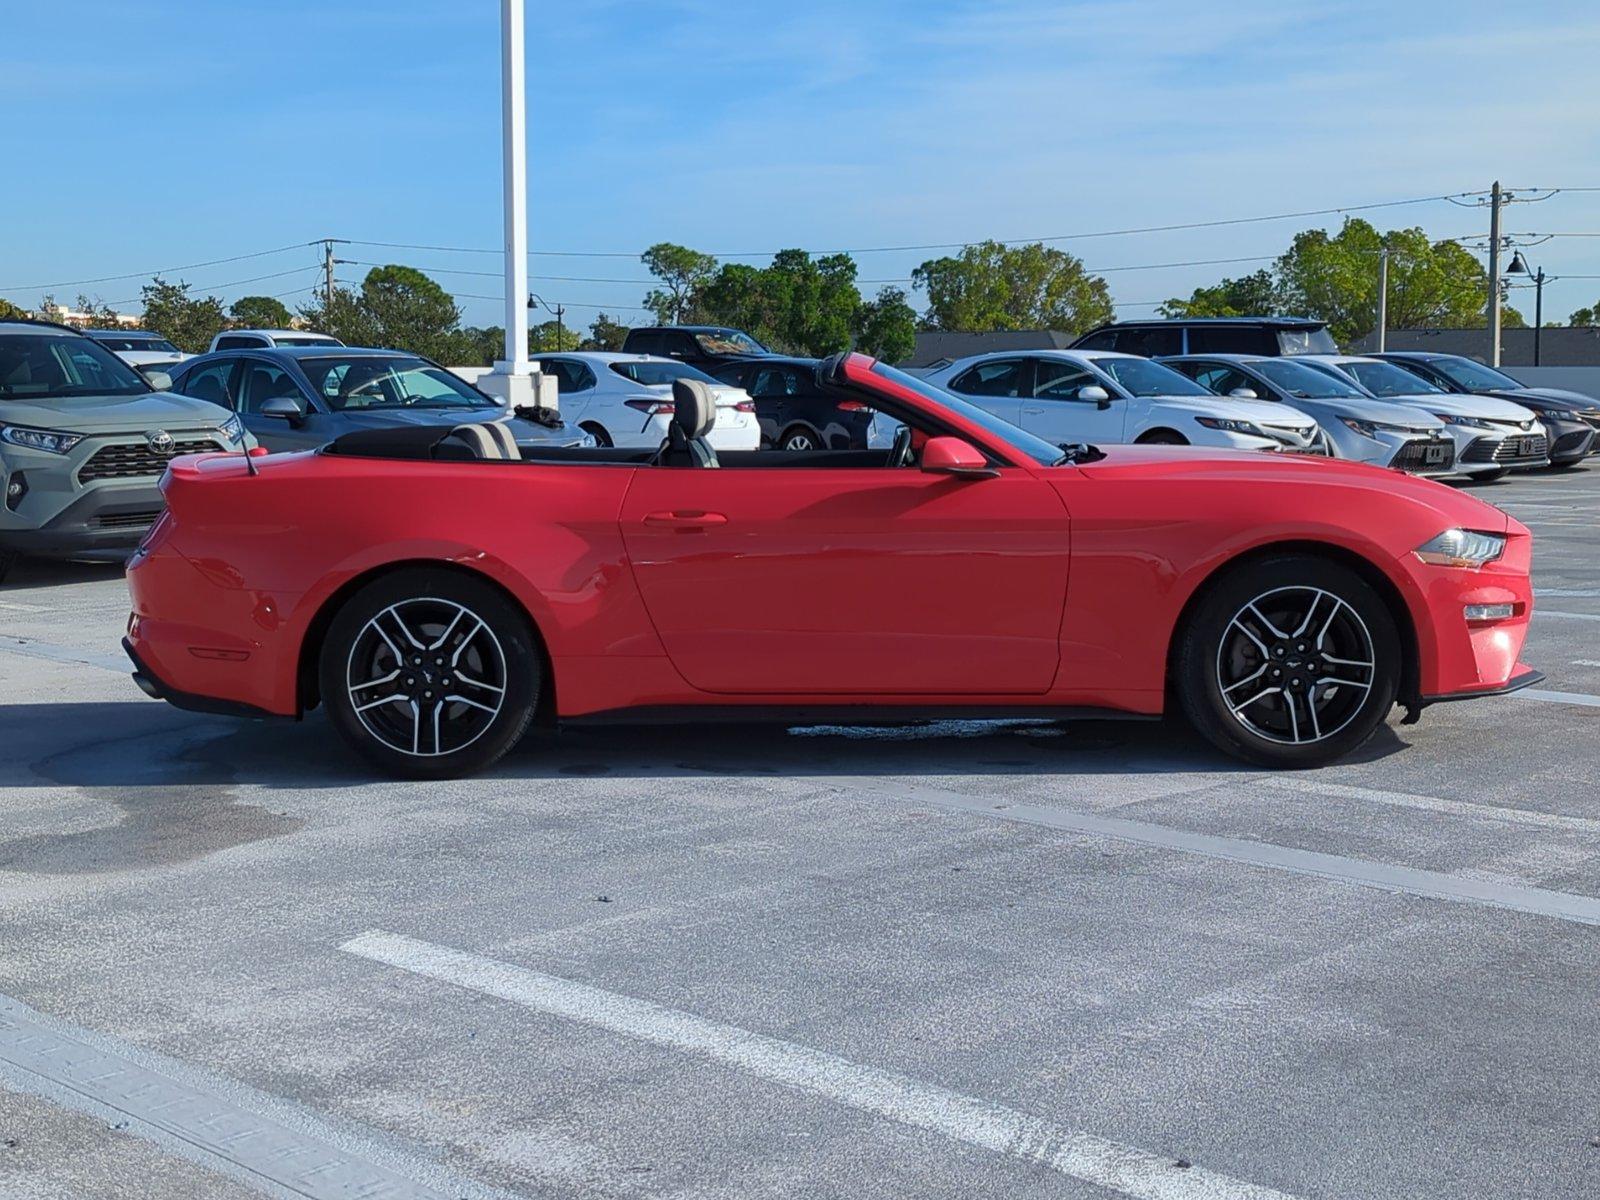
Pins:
x: 1295, y: 665
x: 426, y: 677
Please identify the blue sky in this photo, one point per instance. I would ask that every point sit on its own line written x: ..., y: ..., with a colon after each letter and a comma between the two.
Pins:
x: 144, y: 134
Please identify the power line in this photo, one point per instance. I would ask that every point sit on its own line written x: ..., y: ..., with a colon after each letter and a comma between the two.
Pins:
x: 215, y: 262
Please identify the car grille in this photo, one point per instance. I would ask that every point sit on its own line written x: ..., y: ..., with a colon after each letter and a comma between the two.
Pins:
x: 1413, y: 456
x: 1572, y: 443
x: 1523, y: 448
x: 1291, y: 438
x: 132, y: 459
x: 127, y: 520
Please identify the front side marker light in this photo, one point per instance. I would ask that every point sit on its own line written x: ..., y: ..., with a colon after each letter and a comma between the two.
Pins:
x: 1469, y: 548
x: 1489, y: 612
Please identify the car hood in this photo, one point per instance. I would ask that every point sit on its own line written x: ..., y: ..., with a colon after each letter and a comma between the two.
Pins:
x: 1380, y: 411
x: 1467, y: 404
x: 1228, y: 468
x: 1556, y: 396
x: 115, y: 414
x: 1262, y: 412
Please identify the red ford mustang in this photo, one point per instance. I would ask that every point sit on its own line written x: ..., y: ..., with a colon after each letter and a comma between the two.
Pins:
x: 438, y: 593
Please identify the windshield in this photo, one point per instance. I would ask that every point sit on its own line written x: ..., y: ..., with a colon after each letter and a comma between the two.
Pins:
x: 1046, y: 454
x: 1386, y: 379
x: 1473, y: 376
x: 51, y: 366
x: 158, y: 345
x: 1308, y: 383
x: 728, y: 341
x: 652, y: 374
x: 400, y: 381
x: 1306, y: 341
x: 1141, y: 377
x: 302, y: 340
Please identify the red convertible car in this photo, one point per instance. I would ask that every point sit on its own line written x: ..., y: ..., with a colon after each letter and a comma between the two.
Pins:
x: 437, y: 594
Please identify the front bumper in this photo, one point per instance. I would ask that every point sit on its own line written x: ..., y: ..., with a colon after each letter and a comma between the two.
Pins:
x: 1525, y: 677
x: 1480, y: 452
x: 1570, y: 441
x: 104, y: 519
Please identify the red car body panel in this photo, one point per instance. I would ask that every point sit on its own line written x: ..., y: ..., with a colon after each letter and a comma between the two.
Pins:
x: 652, y: 587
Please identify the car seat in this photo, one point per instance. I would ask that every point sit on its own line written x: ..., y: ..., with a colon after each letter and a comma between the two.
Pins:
x: 487, y: 440
x: 694, y: 414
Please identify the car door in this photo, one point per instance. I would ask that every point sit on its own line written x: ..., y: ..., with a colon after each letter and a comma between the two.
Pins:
x: 1056, y: 411
x: 851, y: 581
x: 575, y: 386
x: 995, y: 384
x: 215, y: 382
x: 261, y: 380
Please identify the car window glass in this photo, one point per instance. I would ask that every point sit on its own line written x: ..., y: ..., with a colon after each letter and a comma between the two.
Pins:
x: 238, y: 343
x: 771, y: 382
x: 1161, y: 339
x: 1106, y: 339
x: 262, y: 381
x: 1231, y: 339
x: 211, y: 382
x: 1000, y: 377
x: 1060, y: 380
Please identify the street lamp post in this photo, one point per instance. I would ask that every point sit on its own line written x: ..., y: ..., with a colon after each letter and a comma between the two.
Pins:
x: 1519, y: 266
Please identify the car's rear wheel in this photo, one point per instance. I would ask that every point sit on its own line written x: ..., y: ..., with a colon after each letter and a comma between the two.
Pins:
x: 1163, y: 437
x: 800, y: 438
x: 598, y: 432
x: 430, y: 673
x: 1292, y: 661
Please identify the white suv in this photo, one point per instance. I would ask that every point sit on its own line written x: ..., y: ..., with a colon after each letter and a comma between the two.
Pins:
x: 265, y: 339
x: 1102, y: 397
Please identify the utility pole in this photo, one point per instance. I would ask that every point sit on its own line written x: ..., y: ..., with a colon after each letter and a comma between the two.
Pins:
x: 1383, y: 299
x: 328, y: 263
x: 1538, y: 313
x: 1496, y: 199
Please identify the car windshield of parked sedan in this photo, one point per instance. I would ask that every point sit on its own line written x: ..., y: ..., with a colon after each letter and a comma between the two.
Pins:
x: 728, y: 341
x: 654, y: 374
x: 352, y: 384
x: 1046, y: 454
x: 1386, y: 379
x: 1473, y: 376
x: 156, y: 345
x: 50, y: 366
x: 1141, y: 377
x: 1308, y: 383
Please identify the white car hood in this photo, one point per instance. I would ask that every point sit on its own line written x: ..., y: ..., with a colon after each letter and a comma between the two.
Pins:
x: 1463, y: 404
x: 1261, y: 412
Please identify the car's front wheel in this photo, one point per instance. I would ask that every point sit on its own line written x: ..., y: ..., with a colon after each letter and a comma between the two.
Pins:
x: 430, y: 673
x: 1291, y: 661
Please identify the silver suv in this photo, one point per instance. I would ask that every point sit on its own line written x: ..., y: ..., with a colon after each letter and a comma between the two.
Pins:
x: 84, y: 441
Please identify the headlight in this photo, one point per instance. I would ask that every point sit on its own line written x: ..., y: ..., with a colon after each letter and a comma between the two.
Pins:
x: 1462, y: 548
x: 1558, y: 414
x: 232, y: 429
x: 1471, y: 422
x: 1373, y: 428
x: 1231, y: 426
x: 40, y: 439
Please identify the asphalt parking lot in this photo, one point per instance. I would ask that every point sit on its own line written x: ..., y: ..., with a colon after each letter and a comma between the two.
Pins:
x: 1003, y: 960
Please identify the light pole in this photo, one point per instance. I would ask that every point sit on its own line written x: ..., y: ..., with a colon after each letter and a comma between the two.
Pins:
x: 1519, y: 266
x: 559, y: 312
x: 1383, y: 299
x: 512, y: 378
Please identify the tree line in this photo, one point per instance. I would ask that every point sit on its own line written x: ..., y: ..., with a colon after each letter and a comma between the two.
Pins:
x: 806, y: 304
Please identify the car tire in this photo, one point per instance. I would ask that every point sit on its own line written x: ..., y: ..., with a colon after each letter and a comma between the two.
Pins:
x: 598, y: 432
x: 801, y: 438
x: 1162, y: 437
x: 439, y: 644
x: 1252, y: 667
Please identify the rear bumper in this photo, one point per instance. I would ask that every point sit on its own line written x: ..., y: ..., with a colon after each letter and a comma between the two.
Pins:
x: 156, y: 688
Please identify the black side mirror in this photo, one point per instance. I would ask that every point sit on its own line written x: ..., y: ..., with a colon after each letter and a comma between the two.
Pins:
x: 285, y: 407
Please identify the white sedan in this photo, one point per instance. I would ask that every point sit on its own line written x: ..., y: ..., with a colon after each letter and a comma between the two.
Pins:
x: 1098, y: 396
x: 626, y: 399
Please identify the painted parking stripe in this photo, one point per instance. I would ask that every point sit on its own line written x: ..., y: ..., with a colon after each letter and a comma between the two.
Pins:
x: 1532, y: 818
x: 1412, y: 881
x: 31, y: 648
x: 1549, y: 612
x: 1582, y: 699
x: 1120, y: 1168
x: 268, y: 1144
x: 1567, y: 592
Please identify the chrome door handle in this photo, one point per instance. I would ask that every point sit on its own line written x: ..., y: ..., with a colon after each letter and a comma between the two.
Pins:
x: 685, y: 519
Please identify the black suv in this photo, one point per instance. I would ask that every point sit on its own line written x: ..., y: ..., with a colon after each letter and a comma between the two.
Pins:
x: 703, y: 346
x: 793, y: 410
x: 1265, y: 336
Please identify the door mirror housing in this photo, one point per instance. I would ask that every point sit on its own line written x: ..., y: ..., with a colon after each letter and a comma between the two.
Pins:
x: 285, y: 407
x: 1096, y: 395
x: 1243, y: 393
x: 157, y: 378
x: 953, y: 456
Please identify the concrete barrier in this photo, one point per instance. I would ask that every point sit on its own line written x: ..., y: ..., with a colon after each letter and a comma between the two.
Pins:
x: 1573, y: 379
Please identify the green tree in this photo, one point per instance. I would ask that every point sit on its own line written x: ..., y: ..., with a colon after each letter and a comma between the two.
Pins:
x: 1431, y: 284
x: 1248, y: 296
x: 681, y: 272
x: 259, y: 312
x: 412, y: 312
x: 188, y: 322
x: 992, y: 286
x: 10, y: 312
x: 480, y: 347
x: 798, y: 303
x: 345, y: 318
x: 886, y: 327
x: 1586, y: 316
x: 605, y: 334
x: 549, y: 335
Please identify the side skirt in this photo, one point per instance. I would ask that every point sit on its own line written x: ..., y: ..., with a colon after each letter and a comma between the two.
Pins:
x: 842, y: 714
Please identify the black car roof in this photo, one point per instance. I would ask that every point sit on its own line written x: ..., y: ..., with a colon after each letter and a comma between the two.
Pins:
x: 1157, y: 322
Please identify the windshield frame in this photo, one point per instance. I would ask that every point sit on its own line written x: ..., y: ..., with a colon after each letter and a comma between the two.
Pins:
x: 1321, y: 371
x: 1106, y: 364
x: 1447, y: 364
x: 132, y: 382
x: 1416, y: 385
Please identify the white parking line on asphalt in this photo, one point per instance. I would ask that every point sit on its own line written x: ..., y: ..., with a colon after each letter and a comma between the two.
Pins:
x: 1567, y: 592
x: 1581, y: 699
x: 1310, y: 785
x: 994, y: 1127
x: 1549, y: 612
x: 1413, y: 881
x: 263, y: 1142
x: 30, y: 648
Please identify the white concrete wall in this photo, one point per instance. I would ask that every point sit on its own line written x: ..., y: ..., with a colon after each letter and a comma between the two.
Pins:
x: 1574, y: 379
